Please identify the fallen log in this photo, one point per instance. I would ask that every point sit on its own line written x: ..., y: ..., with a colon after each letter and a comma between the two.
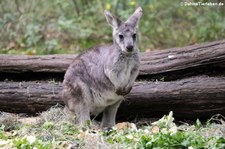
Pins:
x: 194, y: 97
x: 36, y: 63
x: 29, y: 97
x: 169, y: 64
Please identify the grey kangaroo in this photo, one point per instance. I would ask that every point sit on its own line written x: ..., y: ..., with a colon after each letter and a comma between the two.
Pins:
x: 99, y: 78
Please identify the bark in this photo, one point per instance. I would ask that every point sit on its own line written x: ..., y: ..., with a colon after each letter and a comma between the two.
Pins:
x: 182, y: 58
x: 42, y: 63
x: 169, y: 64
x: 194, y: 97
x: 177, y: 63
x: 29, y: 97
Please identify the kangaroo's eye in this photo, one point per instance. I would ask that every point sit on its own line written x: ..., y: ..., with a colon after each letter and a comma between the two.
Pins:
x: 134, y: 36
x: 121, y: 37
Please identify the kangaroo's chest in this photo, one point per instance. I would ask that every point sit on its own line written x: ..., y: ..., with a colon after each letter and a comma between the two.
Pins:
x: 124, y: 71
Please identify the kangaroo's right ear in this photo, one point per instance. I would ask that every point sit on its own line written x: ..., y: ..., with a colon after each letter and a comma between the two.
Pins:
x: 114, y: 21
x: 135, y: 17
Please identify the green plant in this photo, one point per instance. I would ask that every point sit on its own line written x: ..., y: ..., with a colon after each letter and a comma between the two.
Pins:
x: 62, y: 26
x: 30, y: 142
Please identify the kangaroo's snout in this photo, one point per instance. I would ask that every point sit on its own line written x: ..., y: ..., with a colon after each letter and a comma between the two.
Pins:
x: 130, y: 48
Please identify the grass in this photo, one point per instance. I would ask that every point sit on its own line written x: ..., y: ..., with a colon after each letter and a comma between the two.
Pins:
x: 53, y: 129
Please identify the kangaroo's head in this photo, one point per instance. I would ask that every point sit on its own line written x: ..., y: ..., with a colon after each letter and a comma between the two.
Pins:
x: 125, y: 33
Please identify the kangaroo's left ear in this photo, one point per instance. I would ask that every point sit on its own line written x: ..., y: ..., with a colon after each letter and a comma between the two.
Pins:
x: 135, y: 17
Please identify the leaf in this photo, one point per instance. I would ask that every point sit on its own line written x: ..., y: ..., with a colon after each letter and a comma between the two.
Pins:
x: 48, y: 125
x: 221, y: 140
x: 198, y: 124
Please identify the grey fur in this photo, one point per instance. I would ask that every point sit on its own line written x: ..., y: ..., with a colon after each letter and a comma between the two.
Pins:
x: 98, y: 79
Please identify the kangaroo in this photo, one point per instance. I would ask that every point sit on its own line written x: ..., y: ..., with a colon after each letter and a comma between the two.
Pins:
x: 99, y: 78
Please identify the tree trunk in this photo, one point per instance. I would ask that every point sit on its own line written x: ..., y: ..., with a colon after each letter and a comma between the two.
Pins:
x: 177, y: 63
x: 195, y: 97
x: 188, y: 96
x: 170, y: 64
x: 200, y: 97
x: 40, y: 63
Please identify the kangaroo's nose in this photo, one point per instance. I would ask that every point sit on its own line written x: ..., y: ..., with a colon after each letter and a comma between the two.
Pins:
x: 130, y: 48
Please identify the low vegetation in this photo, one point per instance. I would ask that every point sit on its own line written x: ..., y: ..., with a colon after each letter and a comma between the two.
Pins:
x: 52, y: 129
x: 71, y: 26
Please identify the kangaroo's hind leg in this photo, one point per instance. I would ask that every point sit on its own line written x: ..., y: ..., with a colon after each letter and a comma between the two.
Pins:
x: 109, y: 115
x: 75, y: 104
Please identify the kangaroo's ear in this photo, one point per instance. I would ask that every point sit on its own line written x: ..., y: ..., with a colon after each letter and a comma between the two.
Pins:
x: 135, y: 17
x: 114, y: 21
